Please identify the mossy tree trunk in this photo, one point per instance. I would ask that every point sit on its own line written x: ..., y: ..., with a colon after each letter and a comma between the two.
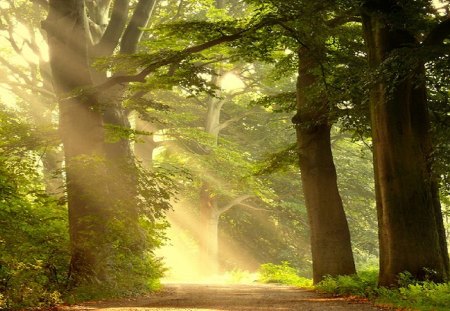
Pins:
x: 409, y: 214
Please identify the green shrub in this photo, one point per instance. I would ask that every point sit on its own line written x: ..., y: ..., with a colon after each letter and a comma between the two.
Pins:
x: 362, y: 284
x: 411, y: 294
x: 34, y: 239
x: 282, y: 274
x: 420, y: 296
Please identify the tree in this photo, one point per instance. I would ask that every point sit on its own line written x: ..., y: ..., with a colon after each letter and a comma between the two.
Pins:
x: 82, y: 134
x: 330, y: 235
x: 106, y: 192
x: 411, y: 231
x: 34, y: 248
x: 27, y: 77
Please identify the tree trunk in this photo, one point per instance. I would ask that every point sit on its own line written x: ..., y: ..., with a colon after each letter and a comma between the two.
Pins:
x: 330, y: 236
x: 119, y: 156
x: 81, y: 130
x: 209, y: 244
x: 146, y: 145
x: 209, y: 211
x: 410, y: 221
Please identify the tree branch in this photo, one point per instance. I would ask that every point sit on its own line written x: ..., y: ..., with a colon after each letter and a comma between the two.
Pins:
x: 15, y: 70
x: 254, y: 207
x: 113, y: 32
x: 231, y: 121
x: 233, y: 203
x: 133, y: 32
x: 175, y: 57
x: 351, y: 15
x: 438, y: 34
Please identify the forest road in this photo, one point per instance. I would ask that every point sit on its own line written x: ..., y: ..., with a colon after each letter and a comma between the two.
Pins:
x: 208, y: 297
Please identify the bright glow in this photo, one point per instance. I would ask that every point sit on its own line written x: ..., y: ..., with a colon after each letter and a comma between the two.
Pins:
x: 231, y: 82
x: 442, y: 6
x: 7, y: 98
x: 21, y: 37
x: 4, y: 5
x: 184, y: 225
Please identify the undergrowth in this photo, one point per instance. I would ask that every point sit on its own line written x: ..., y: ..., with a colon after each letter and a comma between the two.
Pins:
x: 282, y: 274
x: 411, y: 294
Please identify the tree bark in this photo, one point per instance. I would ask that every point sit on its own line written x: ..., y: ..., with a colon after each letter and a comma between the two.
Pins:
x: 118, y: 153
x: 81, y: 130
x: 330, y: 236
x: 409, y: 214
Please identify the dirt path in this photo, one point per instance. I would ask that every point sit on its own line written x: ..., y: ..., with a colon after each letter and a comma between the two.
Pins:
x: 190, y: 297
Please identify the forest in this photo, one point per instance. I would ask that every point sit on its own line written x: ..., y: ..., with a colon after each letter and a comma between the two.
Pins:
x: 144, y: 140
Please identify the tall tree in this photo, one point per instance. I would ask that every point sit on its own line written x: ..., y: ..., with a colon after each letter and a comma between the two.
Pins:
x: 102, y: 179
x: 81, y: 130
x: 330, y: 235
x: 125, y: 36
x: 411, y: 231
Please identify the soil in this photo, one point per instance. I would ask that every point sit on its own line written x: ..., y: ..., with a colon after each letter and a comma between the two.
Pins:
x: 208, y: 297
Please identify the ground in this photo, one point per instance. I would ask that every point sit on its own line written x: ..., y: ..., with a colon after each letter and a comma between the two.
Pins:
x: 208, y: 297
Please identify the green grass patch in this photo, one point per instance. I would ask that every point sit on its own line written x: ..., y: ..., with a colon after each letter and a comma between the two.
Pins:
x: 282, y: 274
x: 414, y: 295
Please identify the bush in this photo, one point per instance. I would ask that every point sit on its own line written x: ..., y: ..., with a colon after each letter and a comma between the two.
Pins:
x: 423, y: 295
x: 34, y: 239
x: 362, y: 284
x: 282, y: 274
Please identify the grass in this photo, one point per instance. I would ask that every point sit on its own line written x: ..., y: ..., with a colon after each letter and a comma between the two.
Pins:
x: 282, y: 274
x: 411, y: 294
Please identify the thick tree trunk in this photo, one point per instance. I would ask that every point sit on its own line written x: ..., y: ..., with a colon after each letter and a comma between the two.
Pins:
x: 120, y: 159
x: 119, y: 156
x: 409, y: 213
x: 81, y: 129
x: 330, y: 236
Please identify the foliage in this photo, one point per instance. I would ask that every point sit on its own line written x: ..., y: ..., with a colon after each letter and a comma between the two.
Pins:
x: 34, y: 241
x: 362, y: 284
x: 34, y: 246
x: 417, y: 295
x: 134, y: 275
x: 282, y: 274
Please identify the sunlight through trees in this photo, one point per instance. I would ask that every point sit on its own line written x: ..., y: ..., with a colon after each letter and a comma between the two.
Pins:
x: 195, y: 139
